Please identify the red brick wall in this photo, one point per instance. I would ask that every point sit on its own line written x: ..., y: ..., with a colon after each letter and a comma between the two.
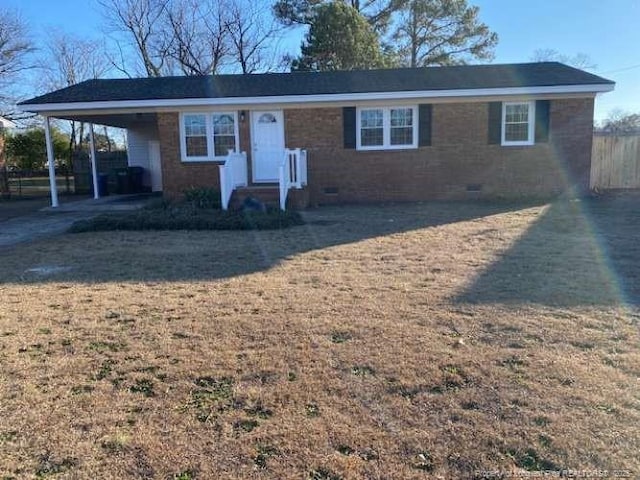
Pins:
x: 245, y: 137
x: 459, y: 156
x: 572, y: 137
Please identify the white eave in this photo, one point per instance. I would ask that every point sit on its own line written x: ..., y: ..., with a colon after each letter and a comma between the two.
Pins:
x: 300, y: 100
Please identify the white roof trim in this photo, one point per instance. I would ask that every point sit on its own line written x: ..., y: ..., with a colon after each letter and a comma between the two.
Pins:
x: 340, y: 97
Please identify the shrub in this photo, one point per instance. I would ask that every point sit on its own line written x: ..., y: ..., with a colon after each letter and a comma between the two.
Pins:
x: 203, y: 197
x: 185, y: 217
x: 160, y: 203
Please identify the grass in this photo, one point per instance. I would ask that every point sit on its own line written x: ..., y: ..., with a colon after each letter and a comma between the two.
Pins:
x: 32, y: 186
x: 408, y: 341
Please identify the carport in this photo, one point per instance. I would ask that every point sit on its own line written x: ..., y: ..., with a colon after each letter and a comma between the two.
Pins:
x: 136, y: 121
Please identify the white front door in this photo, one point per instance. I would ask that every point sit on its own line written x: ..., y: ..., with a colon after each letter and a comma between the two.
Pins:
x: 267, y: 133
x: 155, y: 166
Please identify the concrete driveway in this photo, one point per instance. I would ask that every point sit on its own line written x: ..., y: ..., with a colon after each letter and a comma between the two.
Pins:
x: 37, y: 225
x: 54, y: 221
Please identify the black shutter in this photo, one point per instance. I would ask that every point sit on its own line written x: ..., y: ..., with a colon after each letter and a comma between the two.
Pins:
x: 542, y: 121
x: 424, y: 125
x: 349, y: 127
x: 495, y: 123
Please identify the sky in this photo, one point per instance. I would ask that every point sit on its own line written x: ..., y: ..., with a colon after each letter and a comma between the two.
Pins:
x: 606, y: 31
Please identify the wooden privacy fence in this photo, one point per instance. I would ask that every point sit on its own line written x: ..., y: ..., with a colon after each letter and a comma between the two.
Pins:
x: 615, y: 162
x: 106, y: 161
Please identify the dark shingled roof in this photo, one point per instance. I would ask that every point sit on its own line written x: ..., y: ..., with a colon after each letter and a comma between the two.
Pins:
x: 313, y: 83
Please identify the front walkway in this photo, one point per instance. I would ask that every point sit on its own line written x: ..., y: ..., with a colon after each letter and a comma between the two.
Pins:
x: 54, y: 221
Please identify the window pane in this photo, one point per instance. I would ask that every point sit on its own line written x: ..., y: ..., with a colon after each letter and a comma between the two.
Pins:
x: 196, y: 146
x: 370, y: 118
x: 224, y: 135
x: 401, y: 117
x: 195, y: 129
x: 517, y: 113
x: 371, y: 131
x: 516, y: 132
x: 195, y: 125
x: 223, y: 124
x: 222, y: 144
x: 402, y: 136
x: 267, y: 118
x: 516, y: 122
x: 371, y: 137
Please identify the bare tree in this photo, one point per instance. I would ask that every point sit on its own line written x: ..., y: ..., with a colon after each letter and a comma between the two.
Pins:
x: 15, y: 45
x: 143, y: 24
x: 619, y: 122
x: 252, y: 35
x: 16, y: 49
x: 192, y: 37
x: 579, y: 60
x: 200, y: 38
x: 68, y: 60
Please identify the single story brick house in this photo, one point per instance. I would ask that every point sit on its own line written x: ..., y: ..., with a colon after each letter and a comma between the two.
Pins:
x: 352, y: 136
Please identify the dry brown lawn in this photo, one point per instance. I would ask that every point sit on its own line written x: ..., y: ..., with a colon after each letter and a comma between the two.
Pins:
x: 410, y: 341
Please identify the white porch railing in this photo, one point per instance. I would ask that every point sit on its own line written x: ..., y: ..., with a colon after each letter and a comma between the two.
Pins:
x: 233, y: 174
x: 292, y: 173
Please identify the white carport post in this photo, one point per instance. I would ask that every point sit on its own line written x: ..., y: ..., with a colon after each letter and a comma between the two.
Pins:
x: 94, y: 164
x: 52, y: 163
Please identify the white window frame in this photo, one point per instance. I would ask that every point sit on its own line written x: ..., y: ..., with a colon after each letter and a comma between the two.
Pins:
x: 531, y: 124
x: 386, y: 128
x: 210, y: 157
